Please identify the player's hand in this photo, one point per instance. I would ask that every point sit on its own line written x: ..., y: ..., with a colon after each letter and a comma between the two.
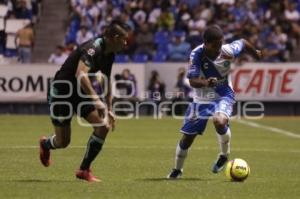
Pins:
x: 111, y: 120
x: 259, y: 54
x: 212, y: 81
x: 100, y: 106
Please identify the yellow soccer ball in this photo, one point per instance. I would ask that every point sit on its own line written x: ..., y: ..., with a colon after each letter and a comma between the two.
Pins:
x: 237, y: 170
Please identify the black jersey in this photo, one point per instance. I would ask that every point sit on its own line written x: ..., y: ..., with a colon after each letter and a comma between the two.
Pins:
x: 92, y: 54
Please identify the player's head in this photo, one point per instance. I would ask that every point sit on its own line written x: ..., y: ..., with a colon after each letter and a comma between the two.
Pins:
x: 213, y: 39
x: 117, y: 34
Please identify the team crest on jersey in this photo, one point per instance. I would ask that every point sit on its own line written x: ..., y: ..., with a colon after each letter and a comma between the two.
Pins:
x: 91, y: 51
x: 226, y: 64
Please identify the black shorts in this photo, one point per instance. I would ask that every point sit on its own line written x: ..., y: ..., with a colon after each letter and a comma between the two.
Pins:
x: 64, y: 100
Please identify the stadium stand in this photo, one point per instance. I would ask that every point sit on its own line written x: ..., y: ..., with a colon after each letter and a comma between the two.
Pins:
x: 238, y: 19
x: 15, y: 15
x: 270, y: 24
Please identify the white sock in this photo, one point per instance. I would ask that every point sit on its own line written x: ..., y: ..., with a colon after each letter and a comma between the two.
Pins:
x: 224, y: 142
x: 52, y: 141
x: 180, y: 157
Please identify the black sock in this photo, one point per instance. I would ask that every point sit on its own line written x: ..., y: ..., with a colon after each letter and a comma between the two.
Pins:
x: 94, y: 146
x: 47, y: 144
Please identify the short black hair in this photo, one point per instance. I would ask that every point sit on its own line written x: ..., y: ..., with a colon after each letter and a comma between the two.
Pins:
x: 116, y: 27
x: 212, y: 33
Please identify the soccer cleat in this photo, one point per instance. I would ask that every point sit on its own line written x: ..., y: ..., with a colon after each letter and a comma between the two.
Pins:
x: 219, y: 164
x: 87, y: 175
x: 175, y: 174
x: 44, y: 153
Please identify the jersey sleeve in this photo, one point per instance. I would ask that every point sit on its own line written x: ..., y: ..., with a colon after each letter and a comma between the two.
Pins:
x: 194, y: 65
x: 107, y: 69
x: 87, y: 56
x: 235, y: 48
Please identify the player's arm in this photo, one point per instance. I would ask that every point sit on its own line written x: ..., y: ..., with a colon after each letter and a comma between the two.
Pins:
x: 108, y: 99
x: 257, y: 54
x: 199, y: 82
x: 86, y: 85
x: 194, y: 73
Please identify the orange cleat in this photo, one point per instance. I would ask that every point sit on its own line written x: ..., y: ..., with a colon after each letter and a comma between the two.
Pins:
x: 87, y: 175
x: 44, y: 153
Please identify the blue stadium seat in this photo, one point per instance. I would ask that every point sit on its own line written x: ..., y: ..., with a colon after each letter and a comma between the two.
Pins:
x: 159, y: 57
x: 140, y: 58
x: 178, y: 33
x: 163, y: 48
x: 122, y: 58
x: 71, y: 34
x: 161, y: 37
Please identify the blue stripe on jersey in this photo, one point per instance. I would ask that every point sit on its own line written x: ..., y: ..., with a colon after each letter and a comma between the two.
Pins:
x: 195, y: 62
x: 209, y: 70
x: 237, y: 47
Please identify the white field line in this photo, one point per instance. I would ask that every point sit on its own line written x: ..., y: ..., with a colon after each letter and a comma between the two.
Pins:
x: 269, y: 128
x: 160, y: 148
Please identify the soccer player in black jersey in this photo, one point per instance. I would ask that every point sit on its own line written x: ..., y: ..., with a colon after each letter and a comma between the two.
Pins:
x: 72, y: 91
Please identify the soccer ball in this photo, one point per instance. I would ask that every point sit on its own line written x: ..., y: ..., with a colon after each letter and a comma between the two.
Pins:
x: 237, y: 170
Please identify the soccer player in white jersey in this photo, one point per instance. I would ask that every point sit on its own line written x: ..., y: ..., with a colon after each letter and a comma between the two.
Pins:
x: 208, y: 75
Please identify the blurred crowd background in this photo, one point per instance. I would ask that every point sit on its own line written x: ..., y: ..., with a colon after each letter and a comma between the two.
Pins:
x: 167, y: 30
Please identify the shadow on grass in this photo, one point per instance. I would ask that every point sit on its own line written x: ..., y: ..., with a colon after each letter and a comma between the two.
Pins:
x: 171, y: 180
x: 40, y: 181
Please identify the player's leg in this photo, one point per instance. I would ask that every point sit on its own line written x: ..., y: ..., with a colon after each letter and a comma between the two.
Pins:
x: 60, y: 139
x: 61, y: 115
x: 180, y: 155
x: 96, y: 140
x: 94, y: 145
x: 221, y: 123
x: 194, y: 124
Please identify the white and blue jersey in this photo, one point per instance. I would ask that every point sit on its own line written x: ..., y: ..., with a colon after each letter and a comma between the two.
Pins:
x: 209, y: 100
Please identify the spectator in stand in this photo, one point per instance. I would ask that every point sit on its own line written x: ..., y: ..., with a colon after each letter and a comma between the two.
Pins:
x: 25, y: 42
x: 22, y: 12
x: 239, y: 11
x: 125, y: 17
x: 58, y: 57
x: 255, y: 14
x: 89, y: 14
x: 125, y: 91
x: 183, y: 92
x: 129, y: 83
x: 291, y: 13
x: 236, y: 17
x: 178, y: 49
x: 101, y: 4
x: 227, y: 2
x: 156, y: 88
x: 281, y: 39
x: 166, y: 20
x: 83, y: 35
x: 144, y: 41
x: 271, y: 50
x: 140, y: 16
x: 154, y: 15
x: 182, y: 17
x: 35, y: 10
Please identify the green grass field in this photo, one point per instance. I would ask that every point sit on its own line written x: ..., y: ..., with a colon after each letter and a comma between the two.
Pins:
x: 140, y: 153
